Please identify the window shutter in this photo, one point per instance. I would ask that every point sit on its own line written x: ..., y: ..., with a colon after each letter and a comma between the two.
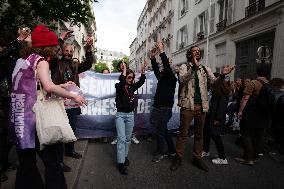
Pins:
x: 177, y: 41
x: 194, y: 29
x: 206, y: 22
x: 185, y: 35
x: 230, y: 12
x: 186, y: 4
x: 212, y: 18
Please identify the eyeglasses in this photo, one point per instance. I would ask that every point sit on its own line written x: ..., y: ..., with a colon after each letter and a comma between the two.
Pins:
x: 130, y: 77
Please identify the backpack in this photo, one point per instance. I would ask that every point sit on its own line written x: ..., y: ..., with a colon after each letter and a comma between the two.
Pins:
x: 265, y: 100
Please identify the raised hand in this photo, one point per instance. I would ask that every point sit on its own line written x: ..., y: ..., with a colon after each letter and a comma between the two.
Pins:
x: 153, y: 52
x: 23, y: 33
x: 160, y: 46
x: 66, y: 35
x: 227, y: 69
x: 89, y: 41
x: 143, y: 66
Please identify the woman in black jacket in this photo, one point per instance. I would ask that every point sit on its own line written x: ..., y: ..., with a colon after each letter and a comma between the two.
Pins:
x: 124, y: 121
x: 215, y: 120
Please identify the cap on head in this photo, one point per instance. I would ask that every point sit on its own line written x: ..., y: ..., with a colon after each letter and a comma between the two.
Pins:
x: 43, y: 37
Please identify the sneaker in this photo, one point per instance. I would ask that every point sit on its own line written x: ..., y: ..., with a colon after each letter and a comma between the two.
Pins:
x: 205, y: 154
x: 200, y: 164
x: 244, y: 161
x: 134, y: 140
x: 169, y: 154
x: 176, y: 163
x: 114, y: 141
x: 220, y: 161
x: 157, y: 158
x: 65, y: 168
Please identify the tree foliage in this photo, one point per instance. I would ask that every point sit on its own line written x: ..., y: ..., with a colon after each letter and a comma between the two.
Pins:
x: 100, y: 67
x: 116, y: 62
x: 19, y: 13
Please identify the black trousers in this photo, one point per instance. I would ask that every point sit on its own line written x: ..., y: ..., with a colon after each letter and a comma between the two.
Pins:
x: 208, y: 134
x: 4, y: 145
x: 28, y: 176
x: 253, y: 142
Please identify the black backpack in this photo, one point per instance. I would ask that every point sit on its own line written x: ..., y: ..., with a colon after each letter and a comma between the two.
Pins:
x: 265, y: 100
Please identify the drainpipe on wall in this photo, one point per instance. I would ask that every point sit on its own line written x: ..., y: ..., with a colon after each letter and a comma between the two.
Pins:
x: 208, y: 32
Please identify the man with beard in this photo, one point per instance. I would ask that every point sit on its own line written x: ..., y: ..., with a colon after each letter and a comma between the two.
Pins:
x: 193, y: 100
x: 65, y: 70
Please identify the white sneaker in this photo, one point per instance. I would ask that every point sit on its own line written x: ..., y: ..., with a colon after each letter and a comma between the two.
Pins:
x: 134, y: 140
x: 205, y: 154
x: 219, y: 161
x: 114, y: 141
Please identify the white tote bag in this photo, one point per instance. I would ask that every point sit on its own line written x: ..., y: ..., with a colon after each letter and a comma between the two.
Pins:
x: 52, y: 124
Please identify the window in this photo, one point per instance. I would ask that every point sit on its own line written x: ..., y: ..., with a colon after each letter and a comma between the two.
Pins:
x: 182, y: 37
x: 220, y: 54
x: 202, y: 25
x: 223, y: 8
x: 183, y: 7
x: 212, y: 18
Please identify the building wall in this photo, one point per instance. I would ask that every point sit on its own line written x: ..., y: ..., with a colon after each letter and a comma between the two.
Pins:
x: 107, y: 56
x: 222, y: 44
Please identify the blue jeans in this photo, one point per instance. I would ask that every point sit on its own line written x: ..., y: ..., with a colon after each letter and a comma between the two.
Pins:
x: 159, y: 119
x: 124, y: 123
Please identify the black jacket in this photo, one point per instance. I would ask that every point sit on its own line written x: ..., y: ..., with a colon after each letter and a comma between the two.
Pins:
x: 64, y: 70
x: 125, y: 99
x: 217, y: 111
x: 8, y: 59
x: 166, y: 85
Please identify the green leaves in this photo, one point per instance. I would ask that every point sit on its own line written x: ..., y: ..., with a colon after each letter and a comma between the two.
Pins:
x: 19, y: 13
x: 100, y: 67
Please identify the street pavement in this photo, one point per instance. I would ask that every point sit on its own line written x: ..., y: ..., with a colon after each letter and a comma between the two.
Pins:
x: 71, y: 177
x: 99, y: 170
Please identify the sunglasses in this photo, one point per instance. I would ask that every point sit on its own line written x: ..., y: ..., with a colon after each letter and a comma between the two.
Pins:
x: 130, y: 77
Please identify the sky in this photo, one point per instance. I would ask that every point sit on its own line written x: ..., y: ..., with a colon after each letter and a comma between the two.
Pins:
x: 117, y: 23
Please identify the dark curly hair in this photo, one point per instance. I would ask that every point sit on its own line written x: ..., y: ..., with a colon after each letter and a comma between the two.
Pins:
x: 188, y: 53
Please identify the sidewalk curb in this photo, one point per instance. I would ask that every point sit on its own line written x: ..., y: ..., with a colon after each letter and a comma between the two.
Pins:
x: 76, y: 164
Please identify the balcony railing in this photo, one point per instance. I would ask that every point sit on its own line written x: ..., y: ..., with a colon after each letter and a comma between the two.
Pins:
x: 221, y: 25
x: 200, y: 35
x: 255, y: 8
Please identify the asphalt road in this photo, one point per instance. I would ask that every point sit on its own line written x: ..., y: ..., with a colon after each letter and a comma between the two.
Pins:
x: 99, y: 170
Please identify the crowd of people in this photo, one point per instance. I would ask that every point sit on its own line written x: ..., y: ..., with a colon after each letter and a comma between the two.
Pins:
x: 203, y: 96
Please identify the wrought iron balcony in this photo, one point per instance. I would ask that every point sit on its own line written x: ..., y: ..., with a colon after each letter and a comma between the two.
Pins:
x: 255, y: 7
x: 200, y: 35
x: 221, y: 25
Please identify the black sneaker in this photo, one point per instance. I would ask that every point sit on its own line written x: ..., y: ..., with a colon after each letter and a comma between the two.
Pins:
x: 157, y: 158
x: 65, y: 168
x: 74, y: 154
x: 122, y: 169
x: 200, y: 164
x: 127, y: 162
x: 176, y: 163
